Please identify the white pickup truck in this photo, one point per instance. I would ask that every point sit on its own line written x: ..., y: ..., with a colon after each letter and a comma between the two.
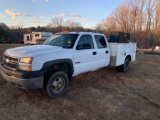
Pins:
x: 50, y: 66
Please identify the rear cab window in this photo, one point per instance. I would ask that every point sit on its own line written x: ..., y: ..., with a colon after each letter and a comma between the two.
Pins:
x: 100, y: 41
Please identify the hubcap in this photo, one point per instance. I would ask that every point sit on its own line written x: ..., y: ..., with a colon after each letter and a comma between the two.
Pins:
x: 58, y: 85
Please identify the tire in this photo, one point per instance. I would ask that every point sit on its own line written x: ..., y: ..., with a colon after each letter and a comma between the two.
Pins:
x: 118, y: 68
x: 57, y: 84
x: 125, y: 66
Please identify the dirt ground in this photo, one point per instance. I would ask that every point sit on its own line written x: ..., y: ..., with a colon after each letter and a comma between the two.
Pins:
x: 104, y: 94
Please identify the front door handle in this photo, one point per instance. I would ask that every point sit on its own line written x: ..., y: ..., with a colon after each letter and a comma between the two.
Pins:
x: 94, y: 53
x: 106, y: 52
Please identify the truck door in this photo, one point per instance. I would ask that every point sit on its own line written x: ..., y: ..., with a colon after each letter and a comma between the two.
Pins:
x: 84, y: 55
x: 103, y: 51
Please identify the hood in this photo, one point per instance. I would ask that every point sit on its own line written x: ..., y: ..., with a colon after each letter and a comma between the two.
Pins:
x: 32, y: 51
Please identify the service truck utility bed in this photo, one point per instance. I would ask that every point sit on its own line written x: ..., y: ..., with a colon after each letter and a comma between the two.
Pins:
x: 119, y: 50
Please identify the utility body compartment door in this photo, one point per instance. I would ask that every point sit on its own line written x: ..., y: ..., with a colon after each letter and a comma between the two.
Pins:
x: 134, y: 52
x: 119, y: 52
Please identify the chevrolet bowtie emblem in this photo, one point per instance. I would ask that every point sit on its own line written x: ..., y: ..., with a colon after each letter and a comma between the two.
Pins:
x: 7, y: 60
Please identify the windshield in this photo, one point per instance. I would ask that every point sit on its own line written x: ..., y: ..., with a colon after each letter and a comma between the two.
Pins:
x: 62, y: 40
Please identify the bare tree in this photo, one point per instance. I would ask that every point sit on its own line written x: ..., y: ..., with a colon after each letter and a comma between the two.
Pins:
x: 139, y: 17
x: 99, y: 27
x: 157, y: 13
x: 73, y: 25
x: 149, y: 11
x: 110, y: 24
x: 57, y: 22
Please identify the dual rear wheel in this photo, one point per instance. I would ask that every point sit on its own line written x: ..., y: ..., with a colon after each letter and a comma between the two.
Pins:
x: 125, y: 67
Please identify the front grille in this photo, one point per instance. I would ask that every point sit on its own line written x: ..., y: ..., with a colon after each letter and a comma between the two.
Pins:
x: 10, y: 62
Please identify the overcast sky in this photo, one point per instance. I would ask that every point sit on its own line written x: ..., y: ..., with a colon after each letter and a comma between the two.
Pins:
x: 39, y: 12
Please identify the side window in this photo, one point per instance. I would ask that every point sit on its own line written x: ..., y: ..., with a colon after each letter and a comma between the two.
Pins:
x: 36, y: 35
x: 100, y: 40
x: 85, y: 42
x: 27, y: 38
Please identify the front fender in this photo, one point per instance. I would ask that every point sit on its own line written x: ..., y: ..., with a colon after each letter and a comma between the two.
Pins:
x: 53, y: 62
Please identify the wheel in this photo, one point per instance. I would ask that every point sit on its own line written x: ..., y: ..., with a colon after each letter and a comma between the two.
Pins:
x: 125, y: 66
x: 118, y: 68
x: 57, y: 84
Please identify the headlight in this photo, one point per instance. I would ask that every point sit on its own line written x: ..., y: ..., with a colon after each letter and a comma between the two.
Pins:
x: 25, y: 68
x: 26, y: 60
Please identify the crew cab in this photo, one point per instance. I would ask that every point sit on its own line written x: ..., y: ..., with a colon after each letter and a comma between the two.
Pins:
x: 51, y: 66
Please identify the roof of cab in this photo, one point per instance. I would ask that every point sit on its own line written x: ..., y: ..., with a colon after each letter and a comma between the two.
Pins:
x: 67, y: 32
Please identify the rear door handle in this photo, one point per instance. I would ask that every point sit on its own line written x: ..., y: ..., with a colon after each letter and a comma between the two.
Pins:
x: 94, y: 53
x: 107, y: 52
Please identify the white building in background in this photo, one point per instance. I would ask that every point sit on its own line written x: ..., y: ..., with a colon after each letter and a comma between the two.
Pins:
x: 36, y: 37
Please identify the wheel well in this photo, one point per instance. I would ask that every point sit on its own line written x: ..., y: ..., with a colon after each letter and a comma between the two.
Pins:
x: 65, y: 67
x: 129, y: 57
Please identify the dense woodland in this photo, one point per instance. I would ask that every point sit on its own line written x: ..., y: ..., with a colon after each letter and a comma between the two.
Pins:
x: 141, y: 18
